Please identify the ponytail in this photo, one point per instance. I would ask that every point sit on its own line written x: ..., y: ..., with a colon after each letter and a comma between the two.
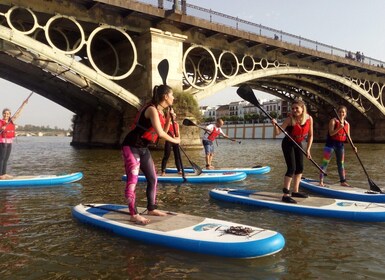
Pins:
x: 159, y: 92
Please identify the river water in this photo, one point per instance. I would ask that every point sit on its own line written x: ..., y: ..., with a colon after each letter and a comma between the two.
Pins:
x: 39, y: 239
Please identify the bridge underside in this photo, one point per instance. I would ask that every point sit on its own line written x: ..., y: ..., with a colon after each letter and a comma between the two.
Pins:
x: 98, y: 59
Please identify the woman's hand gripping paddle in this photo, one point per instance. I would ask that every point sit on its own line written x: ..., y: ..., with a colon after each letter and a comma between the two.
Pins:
x: 372, y: 185
x: 245, y: 92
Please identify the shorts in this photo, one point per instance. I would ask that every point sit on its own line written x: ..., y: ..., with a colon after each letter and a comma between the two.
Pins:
x: 209, y: 146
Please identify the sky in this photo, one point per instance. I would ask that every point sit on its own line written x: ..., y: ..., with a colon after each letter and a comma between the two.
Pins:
x: 347, y: 24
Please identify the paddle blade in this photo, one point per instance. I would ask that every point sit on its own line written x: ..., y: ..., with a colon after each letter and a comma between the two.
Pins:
x: 163, y: 68
x: 197, y: 169
x: 246, y: 93
x: 188, y: 122
x: 374, y: 187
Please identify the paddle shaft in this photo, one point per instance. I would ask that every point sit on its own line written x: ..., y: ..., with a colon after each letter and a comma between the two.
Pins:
x: 179, y: 158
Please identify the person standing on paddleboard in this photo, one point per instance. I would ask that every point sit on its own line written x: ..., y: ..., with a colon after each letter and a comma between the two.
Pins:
x: 339, y: 130
x: 150, y: 124
x: 167, y: 149
x: 299, y: 125
x: 7, y: 135
x: 212, y: 132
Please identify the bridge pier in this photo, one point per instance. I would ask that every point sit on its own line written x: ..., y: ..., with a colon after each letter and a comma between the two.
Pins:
x: 108, y: 128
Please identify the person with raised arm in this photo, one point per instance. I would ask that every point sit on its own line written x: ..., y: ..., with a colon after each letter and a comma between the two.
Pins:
x: 7, y: 135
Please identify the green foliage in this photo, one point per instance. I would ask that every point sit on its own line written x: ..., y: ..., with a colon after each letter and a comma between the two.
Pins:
x: 35, y: 128
x: 185, y: 104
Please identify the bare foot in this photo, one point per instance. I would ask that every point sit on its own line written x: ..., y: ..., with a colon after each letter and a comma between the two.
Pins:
x: 321, y: 183
x: 5, y: 177
x: 344, y: 184
x: 139, y: 219
x: 163, y: 174
x: 156, y: 213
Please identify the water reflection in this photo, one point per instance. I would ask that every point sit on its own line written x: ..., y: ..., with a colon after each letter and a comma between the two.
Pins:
x: 41, y: 240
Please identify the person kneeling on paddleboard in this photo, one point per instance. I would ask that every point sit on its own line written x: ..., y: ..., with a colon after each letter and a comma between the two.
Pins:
x: 299, y: 125
x: 150, y: 124
x: 212, y: 132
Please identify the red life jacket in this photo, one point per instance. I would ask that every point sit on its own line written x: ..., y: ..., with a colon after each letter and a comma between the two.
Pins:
x: 214, y: 134
x: 341, y: 134
x: 8, y: 131
x: 149, y: 133
x: 299, y: 132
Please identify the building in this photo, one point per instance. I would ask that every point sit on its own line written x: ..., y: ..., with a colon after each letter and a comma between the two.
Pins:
x: 223, y: 111
x: 208, y: 111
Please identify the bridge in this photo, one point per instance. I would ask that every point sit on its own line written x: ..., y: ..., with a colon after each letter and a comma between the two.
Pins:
x: 98, y: 59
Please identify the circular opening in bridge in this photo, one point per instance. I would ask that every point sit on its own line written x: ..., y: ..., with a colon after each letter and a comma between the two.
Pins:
x: 203, y: 61
x: 228, y: 64
x: 367, y: 86
x: 248, y: 63
x: 63, y: 33
x: 376, y: 90
x: 263, y: 63
x: 191, y: 74
x: 112, y: 52
x: 21, y: 20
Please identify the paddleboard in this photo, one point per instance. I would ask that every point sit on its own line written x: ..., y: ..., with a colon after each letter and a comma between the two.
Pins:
x: 41, y: 180
x: 184, y: 232
x: 338, y: 191
x: 313, y: 206
x: 248, y: 170
x: 204, y: 178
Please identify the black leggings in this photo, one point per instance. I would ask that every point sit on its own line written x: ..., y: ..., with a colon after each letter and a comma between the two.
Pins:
x: 293, y: 157
x: 167, y: 151
x: 5, y: 152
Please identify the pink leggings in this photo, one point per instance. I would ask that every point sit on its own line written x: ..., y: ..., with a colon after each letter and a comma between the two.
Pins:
x: 136, y: 159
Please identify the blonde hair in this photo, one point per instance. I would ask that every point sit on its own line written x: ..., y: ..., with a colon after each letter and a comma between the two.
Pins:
x: 343, y: 108
x: 304, y: 117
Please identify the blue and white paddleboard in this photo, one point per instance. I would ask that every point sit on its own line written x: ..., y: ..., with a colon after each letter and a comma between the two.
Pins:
x: 337, y: 191
x: 204, y: 178
x: 184, y: 232
x: 40, y: 180
x: 248, y: 170
x: 313, y: 206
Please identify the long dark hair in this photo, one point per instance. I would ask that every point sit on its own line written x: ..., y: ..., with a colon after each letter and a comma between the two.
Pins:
x: 159, y: 92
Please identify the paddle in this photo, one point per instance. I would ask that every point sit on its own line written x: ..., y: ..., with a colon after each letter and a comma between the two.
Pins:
x: 245, y: 92
x: 188, y: 122
x: 163, y: 68
x: 373, y: 186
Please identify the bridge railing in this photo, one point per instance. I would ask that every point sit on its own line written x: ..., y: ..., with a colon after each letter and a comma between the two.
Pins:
x: 259, y: 29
